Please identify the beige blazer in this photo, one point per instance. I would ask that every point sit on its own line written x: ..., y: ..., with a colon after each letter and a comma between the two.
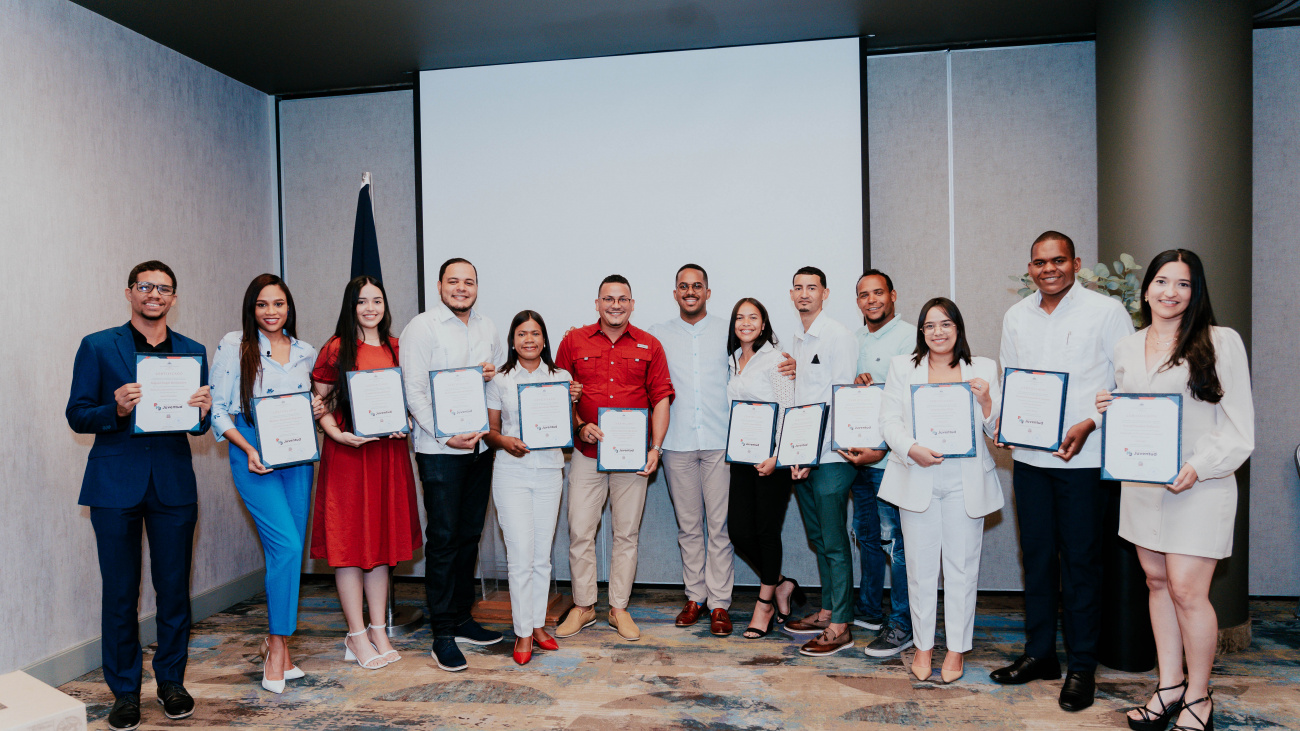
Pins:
x: 907, y: 484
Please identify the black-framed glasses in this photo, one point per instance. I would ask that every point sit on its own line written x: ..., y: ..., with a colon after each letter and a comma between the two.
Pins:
x: 165, y: 290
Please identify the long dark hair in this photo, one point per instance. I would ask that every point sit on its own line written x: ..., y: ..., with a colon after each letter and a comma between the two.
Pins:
x: 960, y: 351
x: 765, y: 336
x: 512, y: 358
x: 1194, y: 343
x: 250, y: 356
x: 347, y: 332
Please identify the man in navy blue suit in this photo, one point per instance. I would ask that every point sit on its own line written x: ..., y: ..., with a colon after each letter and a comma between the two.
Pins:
x: 134, y: 483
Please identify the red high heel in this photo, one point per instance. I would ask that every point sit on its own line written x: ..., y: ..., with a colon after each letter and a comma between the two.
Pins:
x: 547, y: 644
x: 524, y: 656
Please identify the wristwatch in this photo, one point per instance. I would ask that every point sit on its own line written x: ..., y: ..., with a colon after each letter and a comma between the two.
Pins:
x: 658, y: 449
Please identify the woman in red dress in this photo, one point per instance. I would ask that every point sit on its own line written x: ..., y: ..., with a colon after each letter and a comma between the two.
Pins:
x: 365, y: 519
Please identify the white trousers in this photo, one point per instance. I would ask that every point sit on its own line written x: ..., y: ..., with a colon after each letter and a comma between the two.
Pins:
x: 945, y: 534
x: 528, y: 505
x: 699, y: 484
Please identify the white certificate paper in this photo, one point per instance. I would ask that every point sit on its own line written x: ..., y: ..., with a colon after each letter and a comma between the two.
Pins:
x: 1033, y: 409
x: 623, y: 446
x: 544, y: 418
x: 378, y: 402
x: 801, y: 436
x: 1142, y: 438
x: 167, y: 382
x: 751, y: 431
x: 286, y: 430
x: 857, y: 416
x: 459, y: 401
x: 943, y: 418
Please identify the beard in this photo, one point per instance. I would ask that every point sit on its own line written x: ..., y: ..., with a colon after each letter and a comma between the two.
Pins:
x: 459, y: 310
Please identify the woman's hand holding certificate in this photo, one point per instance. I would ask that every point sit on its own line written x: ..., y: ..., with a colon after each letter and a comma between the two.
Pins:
x: 751, y: 431
x: 1141, y: 439
x: 378, y: 402
x: 286, y: 430
x: 943, y: 418
x: 545, y: 421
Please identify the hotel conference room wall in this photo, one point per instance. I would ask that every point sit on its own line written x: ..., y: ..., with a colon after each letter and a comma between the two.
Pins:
x: 115, y: 150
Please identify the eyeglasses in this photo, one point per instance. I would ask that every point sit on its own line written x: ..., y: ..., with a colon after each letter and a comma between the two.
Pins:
x: 691, y: 286
x: 165, y: 290
x: 945, y: 326
x: 625, y: 301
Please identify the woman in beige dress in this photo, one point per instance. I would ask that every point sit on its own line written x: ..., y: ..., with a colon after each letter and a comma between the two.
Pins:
x: 1181, y: 530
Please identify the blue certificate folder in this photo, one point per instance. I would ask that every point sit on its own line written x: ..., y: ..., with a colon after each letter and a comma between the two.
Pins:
x: 193, y: 428
x: 965, y: 387
x: 307, y: 453
x: 600, y: 465
x: 433, y: 400
x: 404, y: 427
x: 771, y: 441
x: 1109, y: 472
x: 566, y: 427
x: 786, y: 436
x: 1060, y: 422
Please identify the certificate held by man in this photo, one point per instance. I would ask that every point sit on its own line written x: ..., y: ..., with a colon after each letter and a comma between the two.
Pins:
x: 378, y: 402
x: 1142, y: 438
x: 166, y: 384
x: 1033, y: 409
x: 545, y: 419
x: 751, y: 431
x: 286, y: 430
x: 801, y: 436
x: 459, y: 401
x: 943, y: 418
x: 625, y: 440
x: 857, y: 416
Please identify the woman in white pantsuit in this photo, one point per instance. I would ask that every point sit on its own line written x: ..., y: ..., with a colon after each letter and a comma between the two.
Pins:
x: 942, y: 501
x: 1182, y: 530
x: 526, y: 485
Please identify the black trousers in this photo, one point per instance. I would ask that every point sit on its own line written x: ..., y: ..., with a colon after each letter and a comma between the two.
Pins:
x: 755, y: 516
x: 1061, y: 514
x: 456, y: 491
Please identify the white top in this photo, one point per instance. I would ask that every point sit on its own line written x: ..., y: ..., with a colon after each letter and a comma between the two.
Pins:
x: 274, y: 378
x: 825, y: 354
x: 503, y: 396
x: 1078, y: 338
x: 761, y: 381
x: 434, y: 340
x: 697, y: 363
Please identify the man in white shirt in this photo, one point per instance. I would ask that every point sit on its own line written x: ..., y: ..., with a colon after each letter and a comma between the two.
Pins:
x: 1060, y: 499
x: 826, y: 353
x: 456, y: 472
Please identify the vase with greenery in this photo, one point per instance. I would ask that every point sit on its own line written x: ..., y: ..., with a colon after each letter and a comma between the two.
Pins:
x: 1119, y: 281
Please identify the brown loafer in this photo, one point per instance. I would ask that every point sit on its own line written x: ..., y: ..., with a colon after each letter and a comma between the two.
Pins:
x: 689, y: 615
x: 720, y: 622
x: 826, y: 644
x: 809, y: 625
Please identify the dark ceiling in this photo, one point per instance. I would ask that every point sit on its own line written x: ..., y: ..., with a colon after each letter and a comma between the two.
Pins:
x: 302, y: 46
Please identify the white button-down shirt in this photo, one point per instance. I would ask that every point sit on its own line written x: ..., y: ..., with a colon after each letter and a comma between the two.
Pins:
x: 503, y: 396
x: 1078, y: 338
x: 434, y: 340
x: 697, y: 362
x: 761, y: 381
x: 876, y: 349
x: 224, y: 376
x: 825, y: 354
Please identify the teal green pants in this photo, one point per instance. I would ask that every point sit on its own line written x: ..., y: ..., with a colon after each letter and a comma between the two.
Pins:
x: 824, y: 504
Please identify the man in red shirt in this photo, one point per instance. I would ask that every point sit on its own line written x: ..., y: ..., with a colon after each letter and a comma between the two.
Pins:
x: 623, y: 367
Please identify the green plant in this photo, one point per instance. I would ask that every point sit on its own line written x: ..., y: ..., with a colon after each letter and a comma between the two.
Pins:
x: 1124, y: 284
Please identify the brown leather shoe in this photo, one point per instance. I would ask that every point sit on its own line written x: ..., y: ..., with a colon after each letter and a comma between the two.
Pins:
x: 809, y: 625
x: 720, y: 622
x: 689, y: 615
x: 827, y: 644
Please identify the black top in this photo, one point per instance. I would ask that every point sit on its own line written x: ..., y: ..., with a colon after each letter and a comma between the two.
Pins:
x: 142, y: 345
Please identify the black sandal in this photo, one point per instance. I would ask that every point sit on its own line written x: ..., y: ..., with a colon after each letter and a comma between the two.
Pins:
x: 759, y: 633
x: 1207, y: 723
x: 1152, y: 721
x: 797, y: 597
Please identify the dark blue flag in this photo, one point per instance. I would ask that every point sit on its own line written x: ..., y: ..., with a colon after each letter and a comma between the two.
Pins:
x: 365, y: 244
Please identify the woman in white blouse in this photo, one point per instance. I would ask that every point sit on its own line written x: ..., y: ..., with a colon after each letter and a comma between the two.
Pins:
x: 1182, y: 530
x: 942, y: 501
x: 526, y: 484
x: 759, y: 494
x: 262, y: 359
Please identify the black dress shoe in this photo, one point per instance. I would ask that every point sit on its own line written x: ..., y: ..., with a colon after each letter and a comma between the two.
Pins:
x: 126, y: 712
x: 176, y: 702
x: 1078, y: 691
x: 1025, y: 669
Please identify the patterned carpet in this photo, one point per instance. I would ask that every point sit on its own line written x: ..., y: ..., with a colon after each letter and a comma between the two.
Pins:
x: 672, y: 679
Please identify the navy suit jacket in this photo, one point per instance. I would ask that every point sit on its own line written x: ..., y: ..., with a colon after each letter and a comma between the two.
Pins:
x: 119, y: 466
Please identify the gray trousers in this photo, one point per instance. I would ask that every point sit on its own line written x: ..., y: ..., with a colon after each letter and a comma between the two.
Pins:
x: 699, y: 484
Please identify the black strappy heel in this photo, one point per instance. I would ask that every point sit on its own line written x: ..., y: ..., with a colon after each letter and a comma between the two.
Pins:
x: 797, y: 597
x: 759, y: 633
x: 1152, y: 721
x: 1207, y: 723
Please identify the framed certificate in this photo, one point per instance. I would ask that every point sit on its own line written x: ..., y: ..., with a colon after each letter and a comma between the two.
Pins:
x: 1142, y: 438
x: 286, y: 429
x: 378, y: 402
x: 459, y: 401
x: 801, y: 436
x: 545, y: 419
x: 857, y: 416
x: 1033, y: 409
x: 167, y: 381
x: 751, y: 431
x: 625, y: 446
x: 943, y: 418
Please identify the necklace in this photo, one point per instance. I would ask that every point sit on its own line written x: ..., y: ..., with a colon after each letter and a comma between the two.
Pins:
x: 1151, y: 335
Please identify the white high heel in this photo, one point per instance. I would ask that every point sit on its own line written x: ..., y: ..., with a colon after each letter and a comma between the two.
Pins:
x: 395, y: 657
x: 349, y: 655
x: 275, y: 686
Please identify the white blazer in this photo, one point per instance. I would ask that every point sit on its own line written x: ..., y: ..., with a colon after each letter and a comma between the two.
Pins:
x: 907, y: 484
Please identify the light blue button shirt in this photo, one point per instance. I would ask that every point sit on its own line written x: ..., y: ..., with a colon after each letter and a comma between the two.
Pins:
x: 697, y: 362
x: 875, y: 349
x: 224, y: 377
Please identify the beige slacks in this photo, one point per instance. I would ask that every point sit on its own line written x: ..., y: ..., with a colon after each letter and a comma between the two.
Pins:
x: 588, y: 490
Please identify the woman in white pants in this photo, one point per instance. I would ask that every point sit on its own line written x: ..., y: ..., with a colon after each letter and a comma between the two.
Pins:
x: 943, y: 501
x: 526, y: 484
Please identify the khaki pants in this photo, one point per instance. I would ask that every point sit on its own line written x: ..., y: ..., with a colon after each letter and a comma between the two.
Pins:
x: 700, y: 483
x: 588, y: 490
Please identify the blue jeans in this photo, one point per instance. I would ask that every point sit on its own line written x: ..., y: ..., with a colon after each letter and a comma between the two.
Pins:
x: 880, y: 540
